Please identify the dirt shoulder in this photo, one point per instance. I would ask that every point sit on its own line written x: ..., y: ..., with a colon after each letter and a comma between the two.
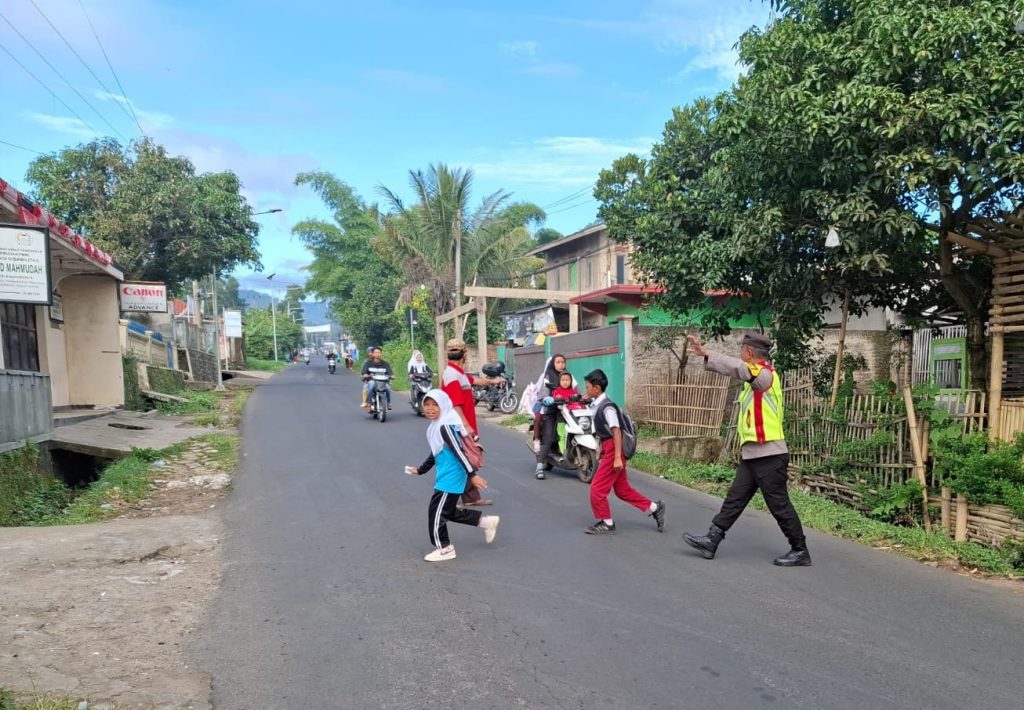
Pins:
x: 100, y: 612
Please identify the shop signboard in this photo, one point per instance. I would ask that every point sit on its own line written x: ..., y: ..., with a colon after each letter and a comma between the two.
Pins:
x: 24, y: 264
x: 143, y: 297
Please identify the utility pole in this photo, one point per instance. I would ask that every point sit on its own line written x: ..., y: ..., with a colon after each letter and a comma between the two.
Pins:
x: 216, y: 328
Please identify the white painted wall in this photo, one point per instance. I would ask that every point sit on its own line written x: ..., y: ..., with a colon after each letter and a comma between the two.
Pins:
x: 93, y: 347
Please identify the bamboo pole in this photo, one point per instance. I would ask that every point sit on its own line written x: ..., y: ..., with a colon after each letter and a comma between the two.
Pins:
x: 995, y: 385
x: 961, y: 518
x: 947, y: 505
x: 915, y: 445
x: 839, y: 350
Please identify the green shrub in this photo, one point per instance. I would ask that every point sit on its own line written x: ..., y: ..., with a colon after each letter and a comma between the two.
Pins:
x: 899, y: 504
x: 984, y: 471
x: 26, y: 495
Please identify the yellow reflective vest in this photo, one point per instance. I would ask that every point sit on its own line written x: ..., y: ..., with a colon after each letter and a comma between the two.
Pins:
x: 761, y: 412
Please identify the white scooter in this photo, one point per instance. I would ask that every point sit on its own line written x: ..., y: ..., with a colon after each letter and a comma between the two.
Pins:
x: 580, y: 451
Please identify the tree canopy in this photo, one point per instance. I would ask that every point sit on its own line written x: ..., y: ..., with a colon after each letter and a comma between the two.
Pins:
x: 893, y: 123
x: 161, y: 220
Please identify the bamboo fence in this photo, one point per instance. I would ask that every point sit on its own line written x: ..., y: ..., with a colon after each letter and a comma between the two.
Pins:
x: 690, y: 409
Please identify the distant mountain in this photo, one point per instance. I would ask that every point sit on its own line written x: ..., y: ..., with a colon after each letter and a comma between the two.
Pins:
x: 254, y: 299
x: 315, y: 313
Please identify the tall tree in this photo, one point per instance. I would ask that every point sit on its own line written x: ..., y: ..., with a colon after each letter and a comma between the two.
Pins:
x: 347, y: 270
x: 895, y: 123
x: 160, y: 219
x: 441, y: 239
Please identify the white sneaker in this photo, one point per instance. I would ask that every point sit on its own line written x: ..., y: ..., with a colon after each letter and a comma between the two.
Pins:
x: 489, y: 524
x: 441, y: 554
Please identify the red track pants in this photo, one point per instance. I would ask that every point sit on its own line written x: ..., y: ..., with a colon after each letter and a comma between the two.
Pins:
x: 607, y: 480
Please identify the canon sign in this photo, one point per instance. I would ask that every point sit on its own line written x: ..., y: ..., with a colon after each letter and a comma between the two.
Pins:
x: 143, y: 297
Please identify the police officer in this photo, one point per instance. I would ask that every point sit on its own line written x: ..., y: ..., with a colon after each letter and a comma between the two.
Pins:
x: 764, y: 457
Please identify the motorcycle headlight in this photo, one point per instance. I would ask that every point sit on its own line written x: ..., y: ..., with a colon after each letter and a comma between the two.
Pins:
x: 584, y: 423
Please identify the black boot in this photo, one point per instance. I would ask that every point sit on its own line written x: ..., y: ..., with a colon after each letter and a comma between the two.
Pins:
x: 796, y: 557
x: 706, y: 544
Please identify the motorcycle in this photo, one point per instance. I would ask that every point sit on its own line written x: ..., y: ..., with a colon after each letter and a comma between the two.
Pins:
x: 580, y: 450
x: 332, y: 364
x: 419, y: 385
x: 502, y: 396
x: 379, y: 403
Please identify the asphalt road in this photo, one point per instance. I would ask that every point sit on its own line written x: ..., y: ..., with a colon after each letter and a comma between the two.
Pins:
x: 327, y: 603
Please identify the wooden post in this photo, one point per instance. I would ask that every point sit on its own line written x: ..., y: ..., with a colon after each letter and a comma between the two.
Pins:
x: 574, y: 318
x: 947, y: 506
x: 442, y: 357
x: 838, y: 374
x: 961, y: 518
x: 995, y: 384
x: 481, y: 329
x: 915, y: 445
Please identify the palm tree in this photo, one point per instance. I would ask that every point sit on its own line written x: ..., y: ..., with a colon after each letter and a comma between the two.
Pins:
x: 432, y: 240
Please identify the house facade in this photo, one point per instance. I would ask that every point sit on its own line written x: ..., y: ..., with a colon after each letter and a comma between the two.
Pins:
x: 61, y: 346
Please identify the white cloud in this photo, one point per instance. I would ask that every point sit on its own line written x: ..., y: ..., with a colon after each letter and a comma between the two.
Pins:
x: 560, y: 161
x: 150, y: 120
x: 63, y: 124
x: 520, y: 49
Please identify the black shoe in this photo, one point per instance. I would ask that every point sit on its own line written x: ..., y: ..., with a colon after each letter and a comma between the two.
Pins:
x: 794, y: 558
x: 601, y: 528
x: 659, y: 515
x: 707, y: 545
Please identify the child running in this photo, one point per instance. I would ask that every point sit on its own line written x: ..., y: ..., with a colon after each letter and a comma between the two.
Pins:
x: 453, y: 473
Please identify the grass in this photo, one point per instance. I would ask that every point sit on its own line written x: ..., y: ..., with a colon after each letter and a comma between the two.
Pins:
x: 841, y: 521
x: 9, y: 701
x: 211, y: 419
x: 252, y: 363
x: 25, y: 494
x: 516, y: 420
x: 224, y: 450
x: 197, y: 403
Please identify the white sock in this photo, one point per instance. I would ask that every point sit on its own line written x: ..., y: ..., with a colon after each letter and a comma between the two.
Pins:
x: 654, y: 507
x: 609, y: 521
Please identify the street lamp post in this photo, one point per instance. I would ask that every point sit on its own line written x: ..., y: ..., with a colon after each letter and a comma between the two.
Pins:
x: 273, y: 305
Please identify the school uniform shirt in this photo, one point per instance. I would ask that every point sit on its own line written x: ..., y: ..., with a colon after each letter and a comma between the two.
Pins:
x: 459, y: 387
x: 603, y: 429
x: 453, y: 468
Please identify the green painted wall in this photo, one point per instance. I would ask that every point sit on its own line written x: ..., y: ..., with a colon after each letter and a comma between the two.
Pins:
x: 653, y: 315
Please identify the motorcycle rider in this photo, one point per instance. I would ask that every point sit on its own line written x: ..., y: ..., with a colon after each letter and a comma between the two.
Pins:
x: 419, y: 372
x: 548, y: 439
x: 376, y: 366
x: 332, y: 359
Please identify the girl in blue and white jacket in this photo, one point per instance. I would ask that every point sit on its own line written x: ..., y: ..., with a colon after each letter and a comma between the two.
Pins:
x: 454, y: 475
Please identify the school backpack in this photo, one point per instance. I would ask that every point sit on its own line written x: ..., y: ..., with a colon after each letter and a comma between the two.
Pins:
x: 626, y: 426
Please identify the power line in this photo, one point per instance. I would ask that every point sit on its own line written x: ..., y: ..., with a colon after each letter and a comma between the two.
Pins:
x: 61, y: 76
x: 573, y: 206
x: 21, y: 147
x: 111, y: 66
x: 79, y: 56
x: 29, y: 71
x: 566, y: 198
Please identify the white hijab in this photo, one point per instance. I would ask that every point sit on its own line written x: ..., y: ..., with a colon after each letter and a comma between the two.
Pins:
x: 420, y: 367
x: 449, y: 417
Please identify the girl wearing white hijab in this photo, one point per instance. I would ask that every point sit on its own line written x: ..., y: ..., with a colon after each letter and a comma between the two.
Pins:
x: 418, y: 365
x: 454, y: 473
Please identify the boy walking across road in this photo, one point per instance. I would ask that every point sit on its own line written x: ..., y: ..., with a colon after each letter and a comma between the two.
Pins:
x: 611, y: 468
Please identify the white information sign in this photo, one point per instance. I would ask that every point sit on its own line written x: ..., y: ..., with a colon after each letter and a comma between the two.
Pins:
x: 232, y: 324
x: 24, y: 264
x: 143, y: 297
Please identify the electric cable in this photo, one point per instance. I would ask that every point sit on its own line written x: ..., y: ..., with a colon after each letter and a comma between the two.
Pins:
x: 59, y: 75
x: 111, y: 67
x: 79, y: 56
x: 21, y: 147
x: 41, y: 83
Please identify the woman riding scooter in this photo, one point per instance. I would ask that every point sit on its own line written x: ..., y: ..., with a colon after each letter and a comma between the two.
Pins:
x: 547, y: 418
x: 419, y: 374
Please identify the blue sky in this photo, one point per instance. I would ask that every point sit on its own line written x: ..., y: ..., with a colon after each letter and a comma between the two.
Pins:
x: 536, y: 97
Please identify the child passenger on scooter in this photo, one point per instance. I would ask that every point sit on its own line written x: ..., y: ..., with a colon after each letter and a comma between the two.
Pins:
x: 566, y: 391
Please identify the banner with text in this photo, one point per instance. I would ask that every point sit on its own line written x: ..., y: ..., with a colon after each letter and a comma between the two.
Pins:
x: 143, y: 297
x: 24, y: 264
x: 232, y: 324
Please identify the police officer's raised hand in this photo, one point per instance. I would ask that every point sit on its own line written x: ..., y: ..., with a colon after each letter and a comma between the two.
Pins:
x: 695, y: 346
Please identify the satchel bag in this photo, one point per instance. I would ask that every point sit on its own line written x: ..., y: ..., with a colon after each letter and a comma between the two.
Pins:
x: 474, y: 452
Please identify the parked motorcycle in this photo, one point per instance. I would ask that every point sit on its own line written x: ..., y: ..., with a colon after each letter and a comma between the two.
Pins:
x: 502, y: 396
x: 580, y: 450
x: 419, y: 385
x: 379, y: 402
